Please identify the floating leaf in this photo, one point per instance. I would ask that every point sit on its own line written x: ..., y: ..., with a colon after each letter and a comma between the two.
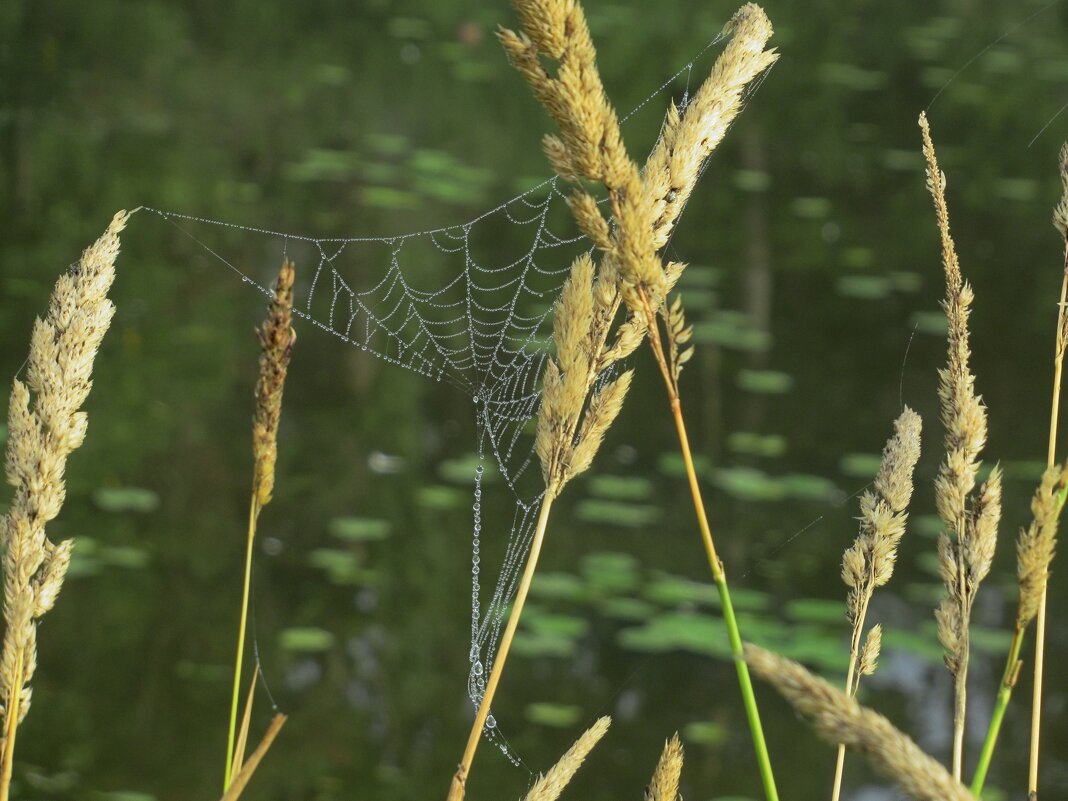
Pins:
x: 678, y: 631
x: 533, y: 645
x: 630, y: 609
x: 748, y: 442
x: 124, y: 556
x: 627, y: 488
x: 805, y: 487
x: 462, y: 469
x: 554, y: 715
x: 752, y: 180
x: 675, y: 591
x: 816, y: 610
x: 359, y: 529
x: 705, y: 732
x: 615, y: 513
x: 810, y: 208
x: 930, y: 322
x: 126, y: 499
x: 860, y: 465
x: 863, y: 287
x: 610, y: 572
x: 764, y: 382
x: 441, y: 497
x: 748, y: 484
x: 672, y: 464
x: 305, y: 639
x: 562, y: 586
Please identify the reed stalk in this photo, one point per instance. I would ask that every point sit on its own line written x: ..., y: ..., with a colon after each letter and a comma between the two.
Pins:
x: 276, y: 339
x: 1060, y: 222
x: 966, y: 545
x: 869, y: 562
x: 45, y: 425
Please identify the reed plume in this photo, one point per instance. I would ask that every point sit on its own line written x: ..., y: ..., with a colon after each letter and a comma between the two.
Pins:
x: 838, y: 718
x: 276, y: 338
x: 665, y: 783
x: 1060, y: 222
x: 583, y: 390
x: 869, y: 562
x: 966, y: 546
x: 45, y: 425
x: 549, y: 786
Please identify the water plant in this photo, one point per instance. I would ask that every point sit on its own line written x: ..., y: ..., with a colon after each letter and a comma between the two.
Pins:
x: 46, y: 424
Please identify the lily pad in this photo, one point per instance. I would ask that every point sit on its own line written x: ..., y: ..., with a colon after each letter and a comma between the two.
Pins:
x: 305, y: 639
x: 557, y: 585
x: 816, y: 610
x: 560, y: 716
x: 748, y: 484
x: 860, y: 465
x: 628, y: 488
x: 462, y: 469
x: 749, y: 442
x: 630, y: 609
x: 674, y: 591
x: 442, y: 498
x: 126, y: 499
x: 678, y: 631
x: 359, y: 529
x: 533, y: 645
x: 764, y: 382
x: 705, y: 732
x: 616, y: 513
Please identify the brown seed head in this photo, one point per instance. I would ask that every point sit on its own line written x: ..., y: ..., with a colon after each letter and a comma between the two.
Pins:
x: 276, y: 346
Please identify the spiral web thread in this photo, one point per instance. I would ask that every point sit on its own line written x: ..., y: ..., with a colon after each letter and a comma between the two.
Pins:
x: 486, y: 328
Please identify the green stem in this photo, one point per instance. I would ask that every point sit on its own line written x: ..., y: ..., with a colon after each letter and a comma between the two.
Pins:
x: 253, y: 514
x: 745, y: 684
x: 748, y: 697
x: 1008, y: 681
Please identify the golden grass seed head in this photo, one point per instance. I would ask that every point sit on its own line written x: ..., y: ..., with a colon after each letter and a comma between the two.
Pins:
x: 604, y: 407
x: 1060, y: 211
x: 664, y: 785
x: 894, y: 479
x: 838, y: 718
x: 1035, y: 545
x: 982, y: 534
x: 869, y: 653
x: 549, y: 786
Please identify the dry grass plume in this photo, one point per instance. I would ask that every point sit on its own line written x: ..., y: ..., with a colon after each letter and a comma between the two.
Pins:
x: 45, y: 425
x: 966, y: 546
x: 549, y: 786
x: 838, y: 718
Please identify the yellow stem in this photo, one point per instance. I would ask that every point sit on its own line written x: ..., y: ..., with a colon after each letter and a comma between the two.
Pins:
x: 1040, y: 623
x: 459, y: 780
x: 253, y: 514
x: 11, y: 724
x: 854, y: 652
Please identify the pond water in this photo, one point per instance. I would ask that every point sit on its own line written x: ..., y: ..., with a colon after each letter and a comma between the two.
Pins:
x: 814, y: 287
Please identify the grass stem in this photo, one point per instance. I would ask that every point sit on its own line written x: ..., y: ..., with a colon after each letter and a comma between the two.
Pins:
x: 719, y: 575
x: 253, y: 515
x: 1040, y: 623
x: 1008, y: 682
x: 459, y: 780
x: 11, y: 727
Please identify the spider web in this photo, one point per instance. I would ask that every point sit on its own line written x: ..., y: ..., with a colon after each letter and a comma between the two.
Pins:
x: 449, y: 304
